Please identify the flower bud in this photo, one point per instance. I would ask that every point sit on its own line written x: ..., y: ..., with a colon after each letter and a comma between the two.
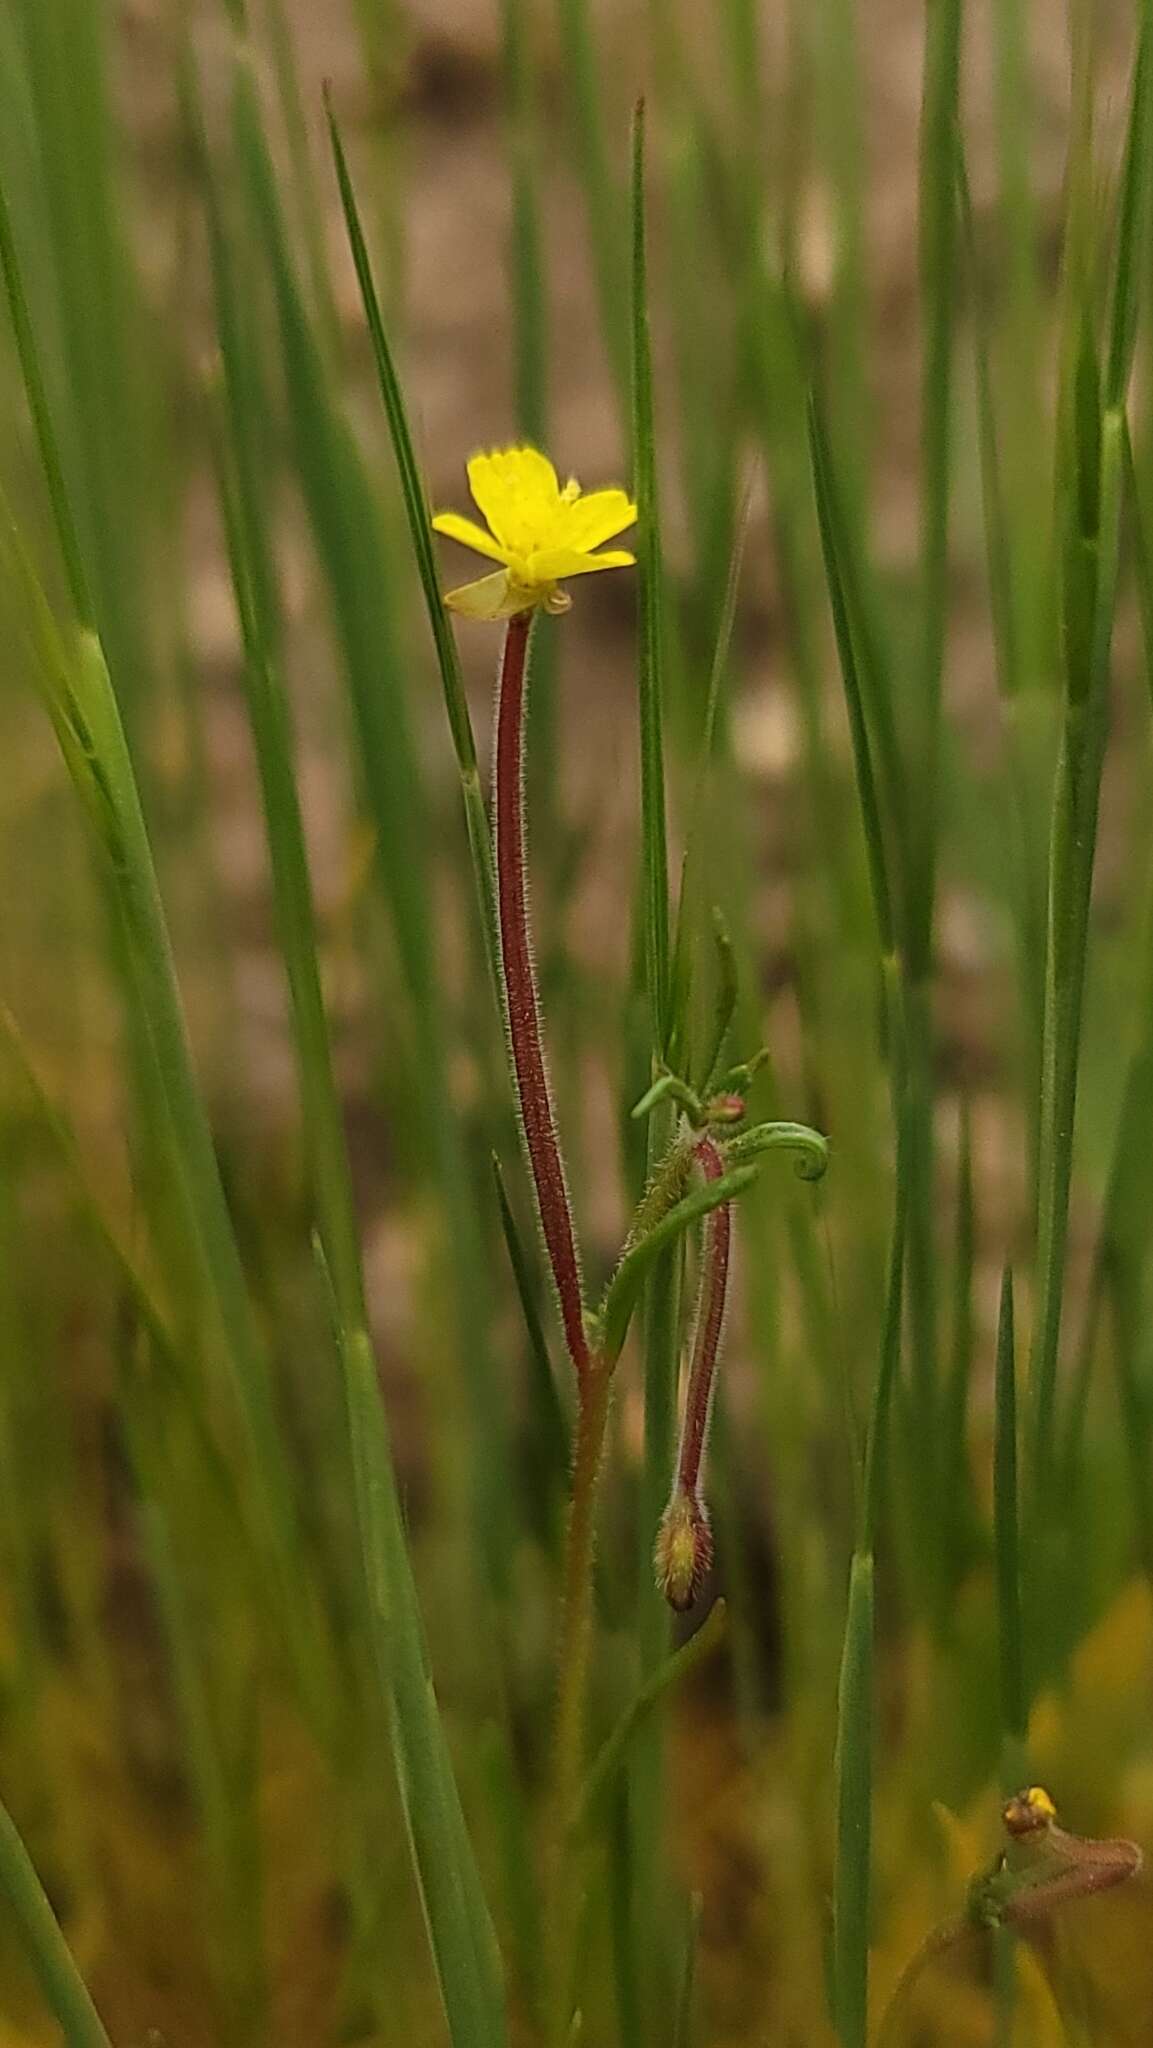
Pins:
x: 684, y: 1550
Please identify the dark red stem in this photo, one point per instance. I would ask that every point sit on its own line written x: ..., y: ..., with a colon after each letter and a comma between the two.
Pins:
x: 522, y: 1001
x: 710, y: 1324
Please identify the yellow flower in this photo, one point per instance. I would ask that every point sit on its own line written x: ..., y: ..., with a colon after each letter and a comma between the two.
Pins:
x: 538, y: 532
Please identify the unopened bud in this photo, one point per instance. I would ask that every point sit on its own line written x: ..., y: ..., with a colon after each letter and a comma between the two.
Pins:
x: 684, y: 1550
x: 1028, y: 1812
x: 725, y: 1109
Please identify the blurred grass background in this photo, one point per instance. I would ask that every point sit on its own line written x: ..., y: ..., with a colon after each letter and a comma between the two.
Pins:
x: 192, y: 1740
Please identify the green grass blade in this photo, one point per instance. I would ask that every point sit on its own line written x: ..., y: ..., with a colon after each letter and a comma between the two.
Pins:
x: 1142, y: 556
x: 35, y: 388
x: 830, y: 523
x: 1131, y: 259
x: 459, y: 1927
x: 999, y: 548
x: 1090, y: 587
x: 420, y: 529
x: 81, y: 703
x: 1025, y: 825
x: 48, y: 1952
x: 954, y: 1462
x: 300, y: 168
x: 602, y: 207
x: 937, y: 239
x: 877, y: 1438
x: 1006, y: 1548
x: 937, y: 269
x: 528, y: 243
x: 854, y: 1793
x: 106, y: 387
x: 683, y: 2032
x: 661, y: 1269
x: 693, y: 865
x: 676, y: 1667
x: 654, y: 854
x: 346, y: 523
x: 271, y: 726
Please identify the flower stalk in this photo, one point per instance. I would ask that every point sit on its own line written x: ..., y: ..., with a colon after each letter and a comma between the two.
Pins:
x: 546, y: 1166
x: 522, y: 1000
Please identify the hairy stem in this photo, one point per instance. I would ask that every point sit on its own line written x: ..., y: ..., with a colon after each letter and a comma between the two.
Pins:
x: 572, y: 1689
x: 534, y: 1097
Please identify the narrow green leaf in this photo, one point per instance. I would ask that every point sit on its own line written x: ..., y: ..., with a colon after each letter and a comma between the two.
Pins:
x: 32, y: 372
x: 420, y: 529
x: 954, y: 1462
x: 528, y: 242
x: 1072, y: 857
x: 937, y: 235
x: 830, y: 522
x: 615, y: 1749
x: 459, y: 1927
x: 1006, y: 1546
x: 877, y: 1439
x: 1131, y: 259
x: 683, y: 2031
x: 585, y: 97
x: 47, y: 1951
x: 80, y: 700
x: 692, y: 861
x: 854, y: 1792
x: 654, y: 856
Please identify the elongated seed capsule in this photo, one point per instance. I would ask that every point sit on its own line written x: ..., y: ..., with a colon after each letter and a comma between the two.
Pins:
x: 684, y: 1545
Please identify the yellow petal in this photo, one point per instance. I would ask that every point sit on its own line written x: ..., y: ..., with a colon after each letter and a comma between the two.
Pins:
x: 469, y: 534
x: 549, y: 565
x: 491, y: 597
x: 517, y: 490
x: 598, y: 517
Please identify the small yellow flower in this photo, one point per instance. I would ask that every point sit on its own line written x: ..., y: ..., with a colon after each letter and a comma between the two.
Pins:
x: 540, y: 534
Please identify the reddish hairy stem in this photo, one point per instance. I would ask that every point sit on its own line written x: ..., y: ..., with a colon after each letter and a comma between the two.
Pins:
x: 538, y: 1121
x: 710, y: 1325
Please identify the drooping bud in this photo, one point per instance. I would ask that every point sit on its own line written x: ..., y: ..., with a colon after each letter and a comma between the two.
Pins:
x: 683, y: 1551
x: 1028, y: 1812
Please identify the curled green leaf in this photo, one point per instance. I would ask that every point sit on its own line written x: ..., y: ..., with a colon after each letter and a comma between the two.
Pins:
x: 811, y: 1147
